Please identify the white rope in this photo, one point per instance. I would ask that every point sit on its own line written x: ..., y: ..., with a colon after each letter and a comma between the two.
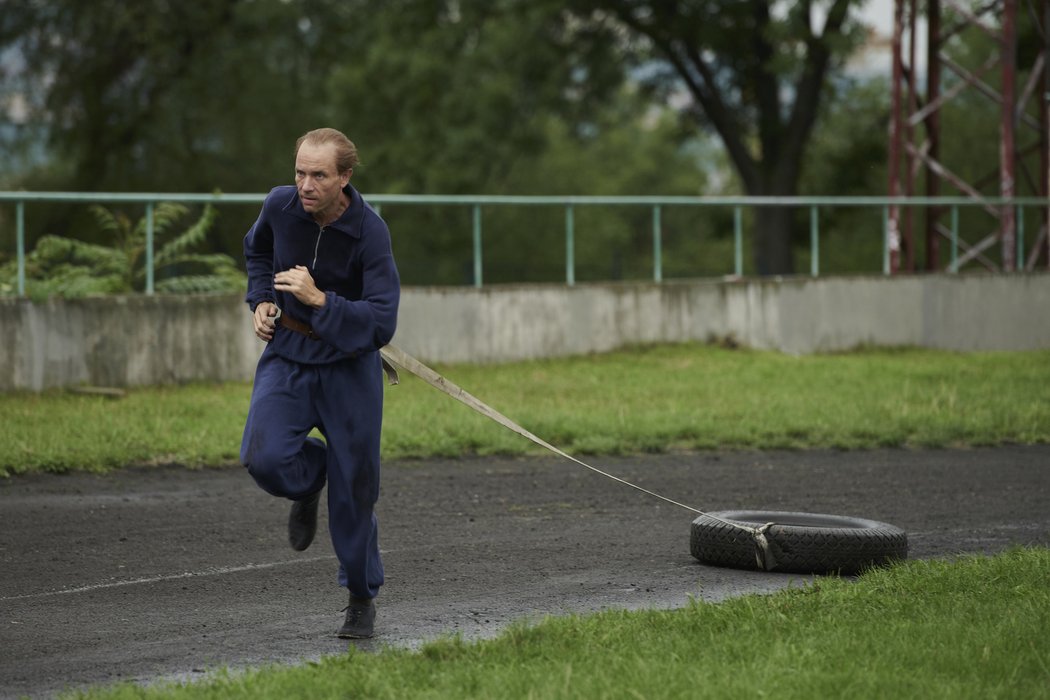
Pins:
x: 390, y: 353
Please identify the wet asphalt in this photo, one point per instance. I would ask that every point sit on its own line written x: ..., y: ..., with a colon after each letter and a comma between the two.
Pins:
x: 165, y: 573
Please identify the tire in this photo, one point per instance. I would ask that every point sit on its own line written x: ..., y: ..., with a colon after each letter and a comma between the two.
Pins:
x: 808, y: 543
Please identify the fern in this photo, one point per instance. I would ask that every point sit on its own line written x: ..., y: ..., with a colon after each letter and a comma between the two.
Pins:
x: 107, y: 221
x: 194, y: 235
x: 201, y: 284
x: 54, y: 250
x: 73, y: 282
x: 208, y: 260
x: 165, y: 215
x: 67, y: 267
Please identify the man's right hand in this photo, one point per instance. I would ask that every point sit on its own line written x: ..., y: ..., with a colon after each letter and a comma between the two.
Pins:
x: 264, y: 320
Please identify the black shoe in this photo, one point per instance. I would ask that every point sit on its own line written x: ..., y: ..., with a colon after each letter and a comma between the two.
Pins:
x: 360, y: 619
x: 302, y: 522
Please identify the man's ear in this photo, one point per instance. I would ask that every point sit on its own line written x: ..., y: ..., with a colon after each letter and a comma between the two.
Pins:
x: 346, y: 176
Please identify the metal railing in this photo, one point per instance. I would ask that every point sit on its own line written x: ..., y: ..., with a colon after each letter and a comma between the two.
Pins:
x: 570, y: 203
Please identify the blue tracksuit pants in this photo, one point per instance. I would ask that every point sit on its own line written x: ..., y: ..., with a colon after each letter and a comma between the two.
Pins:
x: 344, y: 400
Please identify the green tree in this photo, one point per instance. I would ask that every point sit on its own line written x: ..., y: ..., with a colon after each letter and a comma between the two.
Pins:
x: 629, y: 147
x: 446, y: 96
x: 442, y: 96
x: 459, y: 98
x: 848, y: 158
x: 162, y: 96
x: 755, y: 72
x: 98, y: 73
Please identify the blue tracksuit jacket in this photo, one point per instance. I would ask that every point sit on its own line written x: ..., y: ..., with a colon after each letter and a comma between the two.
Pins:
x: 350, y: 260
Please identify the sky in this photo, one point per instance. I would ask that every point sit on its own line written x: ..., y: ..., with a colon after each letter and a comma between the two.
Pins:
x: 879, y: 14
x: 876, y: 59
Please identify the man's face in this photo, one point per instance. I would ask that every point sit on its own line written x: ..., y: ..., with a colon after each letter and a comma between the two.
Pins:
x: 318, y: 179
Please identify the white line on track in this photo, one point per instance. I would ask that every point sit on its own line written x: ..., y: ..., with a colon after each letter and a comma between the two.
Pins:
x: 217, y: 571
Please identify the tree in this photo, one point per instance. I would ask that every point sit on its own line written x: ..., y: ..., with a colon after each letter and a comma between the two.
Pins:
x: 444, y: 96
x: 754, y: 71
x: 107, y: 67
x: 163, y: 96
x: 849, y: 159
x: 457, y: 98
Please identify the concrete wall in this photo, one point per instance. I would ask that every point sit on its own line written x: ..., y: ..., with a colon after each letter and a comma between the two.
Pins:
x: 124, y: 341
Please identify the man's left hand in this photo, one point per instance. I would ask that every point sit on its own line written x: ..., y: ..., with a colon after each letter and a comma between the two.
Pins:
x: 300, y: 283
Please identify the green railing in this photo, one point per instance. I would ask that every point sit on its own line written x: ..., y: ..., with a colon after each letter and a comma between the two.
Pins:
x: 570, y: 203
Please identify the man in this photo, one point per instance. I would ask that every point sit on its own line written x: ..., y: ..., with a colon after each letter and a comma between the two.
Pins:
x: 324, y: 292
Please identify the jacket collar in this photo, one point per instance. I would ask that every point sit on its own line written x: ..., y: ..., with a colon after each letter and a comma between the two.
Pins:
x: 349, y: 223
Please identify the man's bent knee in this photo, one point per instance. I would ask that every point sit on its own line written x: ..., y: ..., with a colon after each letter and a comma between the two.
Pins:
x: 284, y: 473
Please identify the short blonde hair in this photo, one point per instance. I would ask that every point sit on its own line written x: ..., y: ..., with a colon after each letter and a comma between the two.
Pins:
x: 345, y: 150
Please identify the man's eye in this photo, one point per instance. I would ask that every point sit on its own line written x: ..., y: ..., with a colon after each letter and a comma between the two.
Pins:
x: 319, y: 176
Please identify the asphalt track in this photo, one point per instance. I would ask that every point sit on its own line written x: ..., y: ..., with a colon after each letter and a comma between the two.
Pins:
x: 166, y: 573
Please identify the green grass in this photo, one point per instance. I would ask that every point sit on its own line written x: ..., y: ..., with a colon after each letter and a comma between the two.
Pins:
x: 679, y: 397
x: 971, y: 628
x: 57, y: 431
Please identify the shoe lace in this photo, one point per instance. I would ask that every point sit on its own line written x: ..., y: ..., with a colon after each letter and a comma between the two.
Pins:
x: 353, y: 613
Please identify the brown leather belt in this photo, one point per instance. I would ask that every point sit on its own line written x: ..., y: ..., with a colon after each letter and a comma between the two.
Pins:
x: 294, y: 324
x: 298, y: 326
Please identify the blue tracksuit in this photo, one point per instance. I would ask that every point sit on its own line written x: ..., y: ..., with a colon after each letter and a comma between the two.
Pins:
x: 333, y: 383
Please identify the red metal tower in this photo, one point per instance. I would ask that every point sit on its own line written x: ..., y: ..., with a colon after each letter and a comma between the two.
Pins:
x: 915, y: 128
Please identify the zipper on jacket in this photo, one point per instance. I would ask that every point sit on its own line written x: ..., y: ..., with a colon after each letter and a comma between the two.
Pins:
x: 317, y: 246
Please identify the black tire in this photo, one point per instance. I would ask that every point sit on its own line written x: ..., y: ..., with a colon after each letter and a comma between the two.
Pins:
x: 809, y: 543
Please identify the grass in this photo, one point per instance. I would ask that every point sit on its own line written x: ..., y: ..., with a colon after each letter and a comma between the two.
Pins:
x: 970, y: 628
x: 674, y: 397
